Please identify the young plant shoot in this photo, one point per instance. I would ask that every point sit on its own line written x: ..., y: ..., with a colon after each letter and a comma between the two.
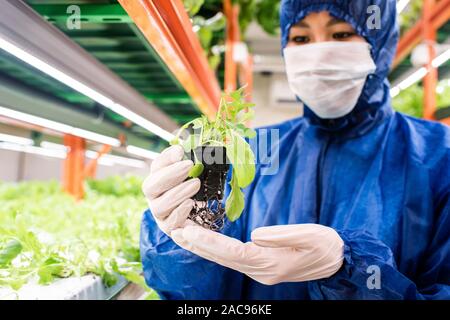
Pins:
x: 228, y: 132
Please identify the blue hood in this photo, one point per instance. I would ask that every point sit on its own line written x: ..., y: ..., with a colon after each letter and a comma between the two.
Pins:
x: 374, y: 102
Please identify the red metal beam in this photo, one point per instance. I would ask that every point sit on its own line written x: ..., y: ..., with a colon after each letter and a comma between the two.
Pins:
x: 74, y: 166
x: 91, y: 169
x: 439, y: 15
x: 431, y: 79
x: 246, y: 77
x: 167, y: 27
x: 233, y: 70
x: 232, y: 37
x: 178, y: 22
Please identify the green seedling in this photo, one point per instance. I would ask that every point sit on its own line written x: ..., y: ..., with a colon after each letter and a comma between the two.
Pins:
x: 228, y: 129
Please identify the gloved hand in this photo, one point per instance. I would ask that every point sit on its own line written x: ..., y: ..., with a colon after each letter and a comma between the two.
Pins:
x: 285, y: 253
x: 168, y: 194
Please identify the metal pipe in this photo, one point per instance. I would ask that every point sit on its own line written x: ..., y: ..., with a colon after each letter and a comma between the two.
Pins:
x: 431, y: 78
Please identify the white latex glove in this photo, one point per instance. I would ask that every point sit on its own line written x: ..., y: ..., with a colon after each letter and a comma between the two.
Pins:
x: 168, y: 194
x: 286, y: 253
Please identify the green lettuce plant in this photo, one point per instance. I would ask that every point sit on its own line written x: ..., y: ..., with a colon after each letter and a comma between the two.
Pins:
x: 226, y: 130
x: 411, y: 100
x: 46, y: 234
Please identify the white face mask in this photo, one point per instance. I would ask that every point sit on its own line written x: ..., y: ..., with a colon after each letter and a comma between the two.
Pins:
x: 329, y: 76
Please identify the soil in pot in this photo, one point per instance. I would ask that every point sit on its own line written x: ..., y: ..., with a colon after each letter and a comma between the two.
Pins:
x: 208, y: 210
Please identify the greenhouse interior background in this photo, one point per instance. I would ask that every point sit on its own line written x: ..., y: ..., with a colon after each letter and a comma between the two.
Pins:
x: 90, y: 94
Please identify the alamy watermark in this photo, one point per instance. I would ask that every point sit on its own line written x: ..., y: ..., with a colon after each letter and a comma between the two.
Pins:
x: 374, y: 280
x: 374, y: 19
x: 73, y: 21
x: 264, y: 150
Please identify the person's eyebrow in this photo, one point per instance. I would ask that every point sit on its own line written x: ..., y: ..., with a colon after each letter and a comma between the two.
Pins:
x: 301, y: 24
x: 334, y: 21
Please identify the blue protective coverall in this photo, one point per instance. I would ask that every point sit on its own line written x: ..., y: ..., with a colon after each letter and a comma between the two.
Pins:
x: 379, y: 178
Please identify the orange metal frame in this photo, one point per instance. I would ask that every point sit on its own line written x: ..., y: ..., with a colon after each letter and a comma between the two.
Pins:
x: 91, y: 169
x: 233, y: 69
x: 167, y: 27
x: 232, y: 37
x: 246, y: 77
x: 438, y: 16
x: 75, y: 170
x: 435, y: 14
x: 431, y: 79
x: 74, y: 166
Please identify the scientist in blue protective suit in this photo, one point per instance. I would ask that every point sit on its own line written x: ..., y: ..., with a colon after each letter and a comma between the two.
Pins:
x: 360, y: 205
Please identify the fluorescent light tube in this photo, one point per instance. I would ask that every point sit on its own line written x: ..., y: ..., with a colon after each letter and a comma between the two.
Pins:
x: 142, y: 122
x: 395, y: 91
x: 54, y: 146
x: 124, y: 161
x: 15, y: 139
x: 441, y: 59
x: 55, y: 150
x: 105, y: 162
x: 89, y: 135
x: 142, y: 152
x: 57, y: 126
x: 413, y: 78
x: 401, y: 5
x: 106, y: 159
x: 420, y: 74
x: 84, y: 89
x: 42, y: 122
x: 409, y: 81
x: 91, y: 154
x: 33, y: 150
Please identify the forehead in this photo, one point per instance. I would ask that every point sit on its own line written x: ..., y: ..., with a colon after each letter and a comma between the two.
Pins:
x: 322, y: 18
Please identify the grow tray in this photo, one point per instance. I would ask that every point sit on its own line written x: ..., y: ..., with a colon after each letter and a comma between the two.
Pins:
x: 88, y: 287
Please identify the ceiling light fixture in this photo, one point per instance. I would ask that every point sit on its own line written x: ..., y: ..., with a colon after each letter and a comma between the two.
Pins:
x: 420, y: 74
x: 84, y: 89
x: 57, y: 126
x: 15, y: 139
x: 33, y: 150
x: 401, y: 5
x: 142, y: 152
x: 124, y: 161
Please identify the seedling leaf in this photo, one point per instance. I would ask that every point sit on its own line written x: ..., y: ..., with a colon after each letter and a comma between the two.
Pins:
x: 235, y: 202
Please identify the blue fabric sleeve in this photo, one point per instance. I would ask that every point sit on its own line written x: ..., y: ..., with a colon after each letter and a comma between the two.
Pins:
x: 364, y: 255
x: 175, y: 273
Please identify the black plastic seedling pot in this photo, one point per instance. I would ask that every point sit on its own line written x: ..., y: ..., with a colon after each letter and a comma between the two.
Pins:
x: 214, y: 160
x: 212, y: 178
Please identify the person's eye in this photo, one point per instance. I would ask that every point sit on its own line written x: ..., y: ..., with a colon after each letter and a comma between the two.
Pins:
x: 300, y: 39
x: 343, y: 35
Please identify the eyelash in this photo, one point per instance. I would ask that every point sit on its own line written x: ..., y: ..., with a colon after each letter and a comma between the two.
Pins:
x: 296, y: 39
x: 343, y: 35
x: 337, y: 36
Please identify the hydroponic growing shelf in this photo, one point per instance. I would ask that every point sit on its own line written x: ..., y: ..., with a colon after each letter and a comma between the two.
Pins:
x: 53, y: 247
x: 87, y: 287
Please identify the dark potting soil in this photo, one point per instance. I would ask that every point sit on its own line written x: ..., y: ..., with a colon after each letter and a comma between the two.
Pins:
x: 213, y: 177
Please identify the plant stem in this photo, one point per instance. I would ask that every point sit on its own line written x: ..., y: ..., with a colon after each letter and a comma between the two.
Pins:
x: 200, y: 139
x: 195, y: 157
